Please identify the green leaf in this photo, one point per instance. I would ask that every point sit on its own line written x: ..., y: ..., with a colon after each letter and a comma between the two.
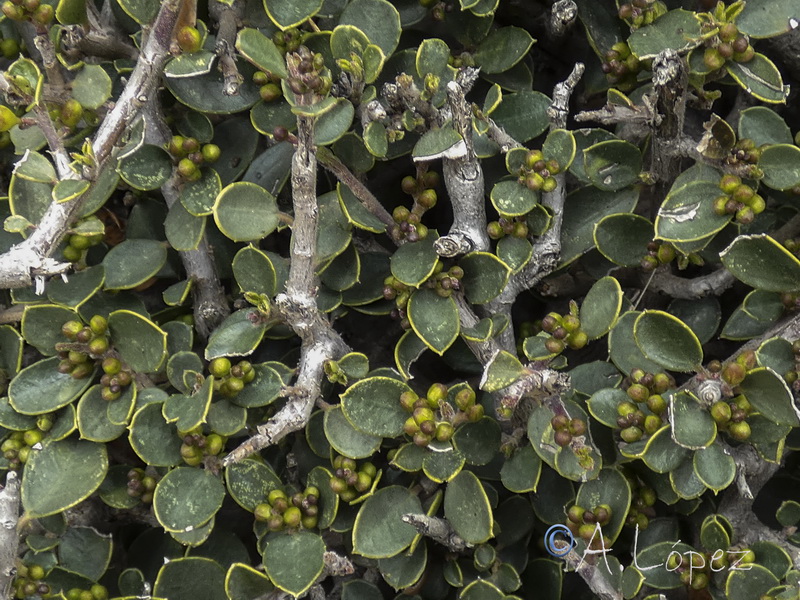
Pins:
x: 715, y: 467
x: 40, y: 388
x: 583, y: 209
x: 600, y: 309
x: 763, y: 125
x: 523, y: 115
x: 502, y: 49
x: 204, y: 93
x: 437, y: 143
x: 668, y: 341
x: 131, y: 263
x: 467, y: 508
x: 84, y: 551
x: 400, y: 571
x: 248, y: 482
x: 407, y: 350
x: 760, y: 78
x: 372, y: 406
x: 485, y: 276
x: 328, y: 501
x: 678, y: 29
x: 559, y: 145
x: 375, y: 139
x: 238, y: 335
x: 623, y: 349
x: 502, y: 370
x: 761, y: 262
x: 413, y: 263
x: 379, y: 531
x: 356, y: 212
x: 80, y: 287
x: 768, y: 393
x: 612, y: 165
x: 93, y: 422
x: 345, y: 438
x: 198, y: 197
x: 515, y: 252
x: 603, y: 405
x: 189, y: 578
x: 245, y: 212
x: 781, y: 166
x: 715, y: 533
x: 254, y: 271
x: 687, y: 214
x: 91, y: 87
x: 186, y: 498
x: 692, y: 425
x: 660, y: 453
x: 334, y: 123
x: 478, y: 442
x: 293, y: 561
x: 243, y: 582
x: 140, y: 342
x: 154, y: 440
x: 443, y: 466
x: 189, y: 411
x: 702, y: 315
x: 512, y: 199
x: 41, y: 326
x: 69, y: 189
x: 75, y: 468
x: 183, y: 229
x: 261, y: 51
x: 190, y: 65
x: 378, y: 19
x: 434, y: 319
x: 521, y: 471
x: 148, y: 168
x: 767, y: 18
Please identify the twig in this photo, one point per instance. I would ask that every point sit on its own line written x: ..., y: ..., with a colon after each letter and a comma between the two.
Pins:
x: 463, y: 177
x: 54, y: 142
x: 592, y: 575
x: 9, y: 539
x: 562, y: 15
x: 29, y: 260
x: 75, y: 42
x: 332, y: 163
x: 439, y: 530
x: 49, y: 61
x: 712, y: 284
x: 227, y: 17
x: 320, y: 343
x: 670, y: 80
x: 499, y: 136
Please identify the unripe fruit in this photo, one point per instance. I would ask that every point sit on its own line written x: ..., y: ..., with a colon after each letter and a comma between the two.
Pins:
x: 656, y: 404
x: 575, y: 514
x: 220, y: 367
x: 262, y: 512
x: 270, y: 92
x: 740, y: 44
x: 713, y: 59
x: 549, y: 184
x: 186, y: 168
x: 71, y: 113
x: 292, y: 516
x: 729, y: 183
x: 410, y: 427
x: 666, y: 253
x: 559, y: 422
x: 733, y: 373
x: 98, y: 346
x: 603, y: 514
x: 81, y: 371
x: 721, y: 412
x: 465, y: 398
x: 577, y: 427
x: 111, y: 365
x: 214, y: 444
x: 70, y: 329
x: 475, y: 413
x: 626, y: 408
x: 444, y: 431
x: 189, y: 39
x: 421, y: 440
x: 562, y: 438
x: 211, y: 153
x: 725, y: 50
x: 534, y: 182
x: 427, y: 198
x: 638, y: 393
x: 43, y: 15
x: 757, y: 204
x: 652, y: 423
x: 554, y: 346
x: 728, y: 32
x: 586, y: 531
x: 31, y: 438
x: 631, y: 434
x: 745, y: 56
x: 739, y: 431
x: 721, y: 205
x: 436, y: 393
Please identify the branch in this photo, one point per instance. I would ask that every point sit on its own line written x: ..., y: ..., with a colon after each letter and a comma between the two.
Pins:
x: 76, y: 43
x: 592, y: 576
x: 29, y: 260
x: 670, y: 80
x: 562, y: 15
x: 463, y: 177
x: 712, y: 284
x: 320, y: 343
x: 439, y: 530
x: 9, y: 540
x: 227, y: 17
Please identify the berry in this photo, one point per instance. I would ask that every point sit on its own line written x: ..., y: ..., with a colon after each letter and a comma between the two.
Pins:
x: 721, y: 412
x: 554, y: 346
x: 98, y: 346
x: 575, y: 514
x: 220, y: 367
x: 631, y: 434
x: 70, y: 329
x: 734, y: 373
x: 427, y: 198
x: 638, y: 393
x: 713, y: 59
x: 739, y: 431
x: 746, y: 56
x: 270, y: 92
x: 656, y: 404
x: 562, y: 438
x: 729, y: 183
x: 189, y: 39
x: 211, y: 153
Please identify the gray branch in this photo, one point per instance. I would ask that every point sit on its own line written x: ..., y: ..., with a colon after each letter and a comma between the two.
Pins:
x: 562, y: 16
x: 9, y: 540
x: 463, y: 177
x: 30, y: 260
x: 227, y: 17
x: 439, y: 530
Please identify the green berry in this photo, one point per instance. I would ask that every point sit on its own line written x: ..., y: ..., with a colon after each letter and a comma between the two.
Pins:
x: 713, y: 59
x: 270, y: 92
x: 220, y: 367
x: 98, y: 346
x: 189, y: 39
x: 211, y: 153
x: 70, y: 329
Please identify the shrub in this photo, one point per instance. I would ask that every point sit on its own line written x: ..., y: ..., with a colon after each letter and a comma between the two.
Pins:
x: 325, y: 299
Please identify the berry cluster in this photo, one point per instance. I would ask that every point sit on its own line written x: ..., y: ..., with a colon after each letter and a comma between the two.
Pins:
x: 462, y: 59
x: 280, y: 512
x: 728, y: 44
x: 308, y: 73
x: 349, y: 480
x: 643, y: 389
x: 115, y: 377
x: 29, y: 10
x: 658, y: 253
x: 288, y: 40
x: 427, y: 422
x: 196, y: 446
x: 505, y: 225
x: 16, y: 448
x: 189, y: 39
x: 190, y: 155
x: 583, y: 523
x: 641, y: 12
x: 141, y: 485
x: 565, y: 331
x: 422, y: 190
x: 96, y: 592
x: 89, y: 341
x: 77, y: 245
x: 231, y: 379
x: 641, y: 510
x: 621, y: 66
x: 565, y: 429
x: 69, y: 114
x: 730, y: 417
x: 28, y: 582
x: 269, y: 85
x: 537, y: 173
x: 738, y: 199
